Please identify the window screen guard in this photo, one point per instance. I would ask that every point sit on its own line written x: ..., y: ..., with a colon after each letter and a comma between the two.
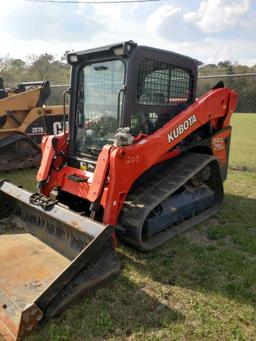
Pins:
x: 162, y: 83
x: 163, y: 90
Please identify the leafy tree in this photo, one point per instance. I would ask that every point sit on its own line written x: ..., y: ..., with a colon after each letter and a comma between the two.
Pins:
x: 225, y: 64
x: 57, y: 71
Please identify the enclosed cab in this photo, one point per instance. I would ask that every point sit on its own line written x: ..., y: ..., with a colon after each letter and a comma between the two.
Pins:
x: 125, y: 85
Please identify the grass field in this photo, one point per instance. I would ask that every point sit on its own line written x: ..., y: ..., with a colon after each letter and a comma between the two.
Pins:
x: 199, y: 286
x: 243, y: 147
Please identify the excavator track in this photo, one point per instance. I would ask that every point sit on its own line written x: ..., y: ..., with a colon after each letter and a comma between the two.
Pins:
x: 13, y: 158
x: 183, y: 177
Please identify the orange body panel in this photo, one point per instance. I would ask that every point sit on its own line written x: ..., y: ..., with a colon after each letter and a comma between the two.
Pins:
x: 47, y: 156
x: 119, y: 167
x: 219, y: 145
x: 99, y: 174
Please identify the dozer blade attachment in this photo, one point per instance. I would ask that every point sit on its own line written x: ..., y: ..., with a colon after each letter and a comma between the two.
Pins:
x: 47, y: 260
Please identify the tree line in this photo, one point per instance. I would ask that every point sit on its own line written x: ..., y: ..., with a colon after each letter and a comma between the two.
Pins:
x: 36, y: 68
x: 57, y: 71
x: 245, y: 85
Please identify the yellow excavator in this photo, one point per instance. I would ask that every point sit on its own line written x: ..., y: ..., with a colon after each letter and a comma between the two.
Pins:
x: 24, y: 120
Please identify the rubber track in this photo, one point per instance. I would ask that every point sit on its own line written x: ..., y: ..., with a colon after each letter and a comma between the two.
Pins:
x: 13, y: 161
x: 149, y: 195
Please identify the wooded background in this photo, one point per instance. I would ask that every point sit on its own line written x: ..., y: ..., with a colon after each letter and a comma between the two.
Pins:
x: 47, y: 67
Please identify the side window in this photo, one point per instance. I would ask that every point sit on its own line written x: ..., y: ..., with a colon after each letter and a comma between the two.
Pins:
x: 144, y: 122
x: 163, y: 84
x: 166, y: 85
x: 180, y: 89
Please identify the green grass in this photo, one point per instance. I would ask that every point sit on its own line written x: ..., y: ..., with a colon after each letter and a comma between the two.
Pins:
x: 26, y: 178
x: 243, y: 150
x: 199, y: 286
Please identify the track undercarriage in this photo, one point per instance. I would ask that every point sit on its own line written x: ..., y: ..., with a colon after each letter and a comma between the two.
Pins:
x: 21, y: 154
x: 173, y: 199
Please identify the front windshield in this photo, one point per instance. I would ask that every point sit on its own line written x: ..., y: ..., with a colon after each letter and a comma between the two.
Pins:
x: 97, y: 109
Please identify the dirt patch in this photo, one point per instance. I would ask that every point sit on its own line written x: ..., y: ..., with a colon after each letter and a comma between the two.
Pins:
x: 242, y: 169
x: 198, y: 237
x: 209, y: 223
x: 11, y: 225
x: 213, y: 221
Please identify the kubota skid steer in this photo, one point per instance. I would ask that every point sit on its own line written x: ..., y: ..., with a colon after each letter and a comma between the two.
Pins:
x: 143, y: 158
x: 24, y: 120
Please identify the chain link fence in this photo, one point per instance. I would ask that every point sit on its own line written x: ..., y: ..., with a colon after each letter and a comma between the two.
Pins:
x: 56, y: 96
x: 243, y: 150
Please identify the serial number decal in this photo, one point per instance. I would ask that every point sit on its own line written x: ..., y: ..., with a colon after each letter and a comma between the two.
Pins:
x: 173, y: 135
x: 133, y: 159
x: 36, y: 130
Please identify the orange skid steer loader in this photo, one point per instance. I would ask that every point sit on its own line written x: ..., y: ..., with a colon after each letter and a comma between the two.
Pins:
x: 142, y: 161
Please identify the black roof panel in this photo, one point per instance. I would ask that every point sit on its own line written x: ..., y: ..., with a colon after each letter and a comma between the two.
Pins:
x: 108, y: 51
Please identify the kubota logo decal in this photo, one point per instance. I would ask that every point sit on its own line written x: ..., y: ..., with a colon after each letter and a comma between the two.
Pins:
x: 182, y: 128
